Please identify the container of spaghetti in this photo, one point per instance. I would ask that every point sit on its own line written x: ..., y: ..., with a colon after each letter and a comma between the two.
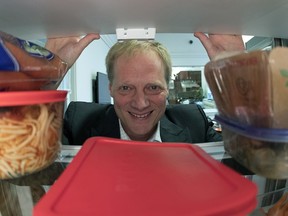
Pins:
x: 30, y: 131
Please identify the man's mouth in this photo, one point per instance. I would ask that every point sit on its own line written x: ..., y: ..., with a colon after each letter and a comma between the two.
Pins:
x: 140, y: 116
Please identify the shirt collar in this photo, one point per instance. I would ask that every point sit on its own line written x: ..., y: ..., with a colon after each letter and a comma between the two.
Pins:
x: 154, y: 138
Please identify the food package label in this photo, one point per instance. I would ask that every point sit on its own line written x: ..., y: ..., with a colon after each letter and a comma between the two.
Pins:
x: 241, y: 87
x: 279, y: 70
x: 36, y: 67
x: 8, y: 60
x: 251, y: 88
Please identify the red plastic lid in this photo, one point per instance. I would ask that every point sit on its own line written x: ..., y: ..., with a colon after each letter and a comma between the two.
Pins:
x: 31, y: 97
x: 111, y: 177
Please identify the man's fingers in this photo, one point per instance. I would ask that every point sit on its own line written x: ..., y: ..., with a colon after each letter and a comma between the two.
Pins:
x: 206, y: 42
x: 87, y: 39
x: 203, y: 38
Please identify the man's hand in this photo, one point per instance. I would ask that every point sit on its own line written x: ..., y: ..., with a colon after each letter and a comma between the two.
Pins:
x: 216, y: 44
x: 70, y: 48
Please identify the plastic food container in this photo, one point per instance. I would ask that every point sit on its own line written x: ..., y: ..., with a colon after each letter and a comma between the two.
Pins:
x: 30, y: 81
x: 127, y: 178
x: 30, y: 131
x: 250, y: 91
x: 262, y: 150
x: 251, y: 88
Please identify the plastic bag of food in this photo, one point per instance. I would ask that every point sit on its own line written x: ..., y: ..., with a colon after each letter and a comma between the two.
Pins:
x: 251, y: 88
x: 250, y: 91
x: 27, y: 66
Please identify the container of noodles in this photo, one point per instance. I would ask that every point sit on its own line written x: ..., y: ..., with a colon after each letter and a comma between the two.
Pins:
x: 30, y: 131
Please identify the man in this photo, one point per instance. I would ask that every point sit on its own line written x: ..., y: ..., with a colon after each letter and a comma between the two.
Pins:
x: 134, y: 77
x: 139, y: 73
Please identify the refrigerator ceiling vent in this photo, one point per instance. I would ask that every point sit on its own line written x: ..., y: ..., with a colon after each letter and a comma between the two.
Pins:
x: 135, y: 33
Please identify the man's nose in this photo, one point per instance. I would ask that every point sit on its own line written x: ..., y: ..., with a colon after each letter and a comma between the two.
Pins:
x: 140, y: 100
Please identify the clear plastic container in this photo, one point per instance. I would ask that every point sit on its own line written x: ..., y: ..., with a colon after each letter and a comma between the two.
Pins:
x: 30, y: 131
x: 251, y: 87
x: 261, y: 150
x: 26, y: 81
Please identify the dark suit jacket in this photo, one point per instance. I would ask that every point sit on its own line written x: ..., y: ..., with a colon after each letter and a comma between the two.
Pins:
x: 181, y: 123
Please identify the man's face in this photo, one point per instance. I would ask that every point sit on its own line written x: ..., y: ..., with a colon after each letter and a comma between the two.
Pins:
x: 139, y: 91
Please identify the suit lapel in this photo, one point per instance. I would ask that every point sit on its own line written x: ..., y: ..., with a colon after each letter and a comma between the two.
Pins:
x: 107, y: 125
x: 172, y: 133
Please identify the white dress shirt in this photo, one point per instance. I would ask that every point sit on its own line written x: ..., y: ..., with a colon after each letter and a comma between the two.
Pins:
x: 154, y: 138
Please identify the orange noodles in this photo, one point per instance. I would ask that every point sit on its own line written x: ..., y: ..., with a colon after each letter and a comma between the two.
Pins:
x: 29, y: 138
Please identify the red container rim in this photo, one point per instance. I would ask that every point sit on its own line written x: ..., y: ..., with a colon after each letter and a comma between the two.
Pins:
x: 31, y: 97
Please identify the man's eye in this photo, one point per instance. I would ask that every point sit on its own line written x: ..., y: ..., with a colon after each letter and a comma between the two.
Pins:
x: 125, y: 89
x: 154, y: 89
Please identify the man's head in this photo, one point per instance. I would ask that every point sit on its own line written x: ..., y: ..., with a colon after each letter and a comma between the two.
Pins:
x: 139, y: 73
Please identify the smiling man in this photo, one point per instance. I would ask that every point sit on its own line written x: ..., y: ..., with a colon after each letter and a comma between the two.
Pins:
x: 139, y: 73
x: 138, y: 85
